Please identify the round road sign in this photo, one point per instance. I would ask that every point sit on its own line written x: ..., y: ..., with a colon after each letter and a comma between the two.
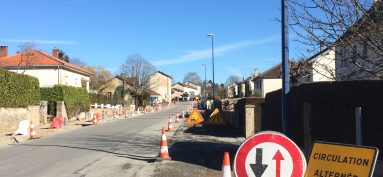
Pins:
x: 269, y: 154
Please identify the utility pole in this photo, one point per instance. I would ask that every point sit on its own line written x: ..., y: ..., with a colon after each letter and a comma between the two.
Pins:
x: 285, y: 72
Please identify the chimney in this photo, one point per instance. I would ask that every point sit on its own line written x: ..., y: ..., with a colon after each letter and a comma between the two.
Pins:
x: 3, y: 51
x: 55, y: 52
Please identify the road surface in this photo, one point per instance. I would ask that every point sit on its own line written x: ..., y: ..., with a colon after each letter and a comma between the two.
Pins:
x: 123, y: 147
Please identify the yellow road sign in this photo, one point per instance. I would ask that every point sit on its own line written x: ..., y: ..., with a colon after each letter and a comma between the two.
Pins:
x: 331, y: 159
x: 194, y: 118
x: 216, y: 118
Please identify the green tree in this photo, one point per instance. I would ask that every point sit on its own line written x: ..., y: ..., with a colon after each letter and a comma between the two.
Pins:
x: 63, y: 56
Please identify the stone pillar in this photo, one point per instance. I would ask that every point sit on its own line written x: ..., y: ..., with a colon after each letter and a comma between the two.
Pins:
x: 44, y: 112
x: 258, y: 118
x: 249, y: 120
x: 61, y: 111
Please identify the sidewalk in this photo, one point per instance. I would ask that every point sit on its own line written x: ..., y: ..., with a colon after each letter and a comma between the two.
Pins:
x: 198, y: 151
x: 43, y: 130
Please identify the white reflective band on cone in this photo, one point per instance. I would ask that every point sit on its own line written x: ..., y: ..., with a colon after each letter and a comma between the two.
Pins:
x: 226, y: 172
x: 164, y: 149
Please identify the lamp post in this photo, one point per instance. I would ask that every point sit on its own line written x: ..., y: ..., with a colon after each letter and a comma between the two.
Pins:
x: 212, y: 61
x: 205, y: 83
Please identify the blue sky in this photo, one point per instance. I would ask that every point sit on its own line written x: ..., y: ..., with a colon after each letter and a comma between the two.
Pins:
x: 171, y: 34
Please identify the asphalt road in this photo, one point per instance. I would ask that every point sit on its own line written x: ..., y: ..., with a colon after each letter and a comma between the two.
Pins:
x: 118, y: 148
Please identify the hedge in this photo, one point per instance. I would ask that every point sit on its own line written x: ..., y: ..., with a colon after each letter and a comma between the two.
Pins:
x: 76, y: 99
x: 18, y: 90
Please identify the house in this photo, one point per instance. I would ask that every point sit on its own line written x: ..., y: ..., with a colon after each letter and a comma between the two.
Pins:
x: 321, y: 67
x: 49, y: 69
x: 359, y: 51
x: 114, y: 86
x: 268, y: 81
x: 185, y: 91
x: 177, y: 93
x: 161, y: 83
x: 232, y: 90
x: 241, y: 88
x: 154, y: 97
x: 190, y: 92
x: 196, y: 86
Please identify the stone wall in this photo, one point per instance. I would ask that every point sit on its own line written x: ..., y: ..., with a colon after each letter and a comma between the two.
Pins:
x: 10, y: 118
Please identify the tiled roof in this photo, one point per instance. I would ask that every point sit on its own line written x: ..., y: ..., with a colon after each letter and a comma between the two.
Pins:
x: 178, y: 90
x: 35, y: 58
x: 273, y: 72
x: 129, y: 80
x: 179, y: 83
x: 162, y: 74
x: 189, y: 86
x: 153, y: 93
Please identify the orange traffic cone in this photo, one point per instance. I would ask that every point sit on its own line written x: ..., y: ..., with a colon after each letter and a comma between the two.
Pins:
x: 95, y: 119
x: 32, y: 132
x: 177, y: 119
x: 170, y: 126
x: 164, y: 153
x: 226, y: 171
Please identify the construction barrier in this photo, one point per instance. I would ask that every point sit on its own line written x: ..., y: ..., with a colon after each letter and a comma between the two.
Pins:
x: 23, y: 128
x: 226, y: 170
x: 164, y: 152
x: 177, y: 119
x: 56, y: 122
x: 32, y: 134
x: 170, y: 126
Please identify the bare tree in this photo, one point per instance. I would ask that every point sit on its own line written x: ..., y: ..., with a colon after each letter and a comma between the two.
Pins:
x: 99, y: 77
x: 192, y: 77
x: 353, y: 28
x: 28, y: 56
x: 299, y: 69
x: 232, y: 79
x: 78, y: 62
x: 140, y: 69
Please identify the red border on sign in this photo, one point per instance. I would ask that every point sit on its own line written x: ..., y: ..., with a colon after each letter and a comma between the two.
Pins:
x: 243, y: 151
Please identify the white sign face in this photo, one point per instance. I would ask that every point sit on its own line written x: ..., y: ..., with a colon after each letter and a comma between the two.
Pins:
x: 23, y: 127
x: 269, y: 151
x: 269, y: 154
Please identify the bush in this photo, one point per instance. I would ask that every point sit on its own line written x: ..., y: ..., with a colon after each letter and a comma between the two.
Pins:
x: 98, y: 98
x: 76, y: 99
x: 18, y: 90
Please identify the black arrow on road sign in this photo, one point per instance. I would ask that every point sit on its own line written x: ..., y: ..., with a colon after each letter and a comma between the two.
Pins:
x: 258, y: 168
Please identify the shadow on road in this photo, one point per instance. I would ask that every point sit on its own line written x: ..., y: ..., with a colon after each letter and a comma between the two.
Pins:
x: 216, y: 131
x: 136, y: 147
x: 205, y: 146
x: 207, y: 154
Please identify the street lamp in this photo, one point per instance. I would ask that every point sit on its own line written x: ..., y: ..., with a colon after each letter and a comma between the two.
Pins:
x: 212, y: 60
x: 205, y: 83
